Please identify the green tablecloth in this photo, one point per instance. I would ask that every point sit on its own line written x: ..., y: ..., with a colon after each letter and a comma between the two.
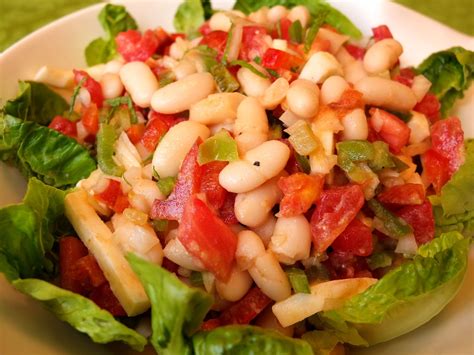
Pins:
x: 20, y: 17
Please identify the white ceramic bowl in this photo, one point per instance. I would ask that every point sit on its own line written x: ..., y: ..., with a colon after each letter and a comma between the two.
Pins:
x: 25, y: 328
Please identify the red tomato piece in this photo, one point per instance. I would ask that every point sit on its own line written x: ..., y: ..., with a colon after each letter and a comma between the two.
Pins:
x: 135, y: 132
x: 246, y: 309
x: 356, y: 239
x: 447, y: 138
x: 64, y: 126
x: 216, y: 40
x: 91, y: 85
x: 435, y: 169
x: 90, y: 119
x: 210, y: 324
x: 336, y: 208
x: 187, y: 184
x: 390, y: 128
x: 88, y: 273
x: 133, y: 46
x: 405, y: 76
x: 406, y: 194
x: 121, y: 203
x: 381, y: 32
x: 156, y: 128
x: 227, y: 212
x: 349, y: 100
x: 253, y: 42
x: 170, y: 266
x: 421, y: 219
x: 164, y: 40
x: 282, y: 30
x: 430, y: 107
x: 113, y: 196
x: 205, y: 28
x: 343, y: 265
x: 276, y: 59
x: 208, y: 238
x: 300, y: 192
x: 105, y: 299
x: 215, y: 193
x: 71, y: 249
x: 355, y: 51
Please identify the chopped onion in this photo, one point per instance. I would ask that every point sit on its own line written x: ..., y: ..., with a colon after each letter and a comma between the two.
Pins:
x: 125, y: 153
x: 407, y: 245
x: 421, y: 85
x: 233, y: 48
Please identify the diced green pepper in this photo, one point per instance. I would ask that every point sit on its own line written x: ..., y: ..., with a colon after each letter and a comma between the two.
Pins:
x: 166, y: 185
x: 298, y: 280
x: 387, y: 222
x: 296, y: 32
x: 382, y: 158
x: 399, y: 164
x: 221, y: 147
x: 303, y: 163
x: 106, y: 138
x: 302, y: 138
x: 244, y: 64
x: 196, y: 279
x: 352, y: 152
x: 378, y: 260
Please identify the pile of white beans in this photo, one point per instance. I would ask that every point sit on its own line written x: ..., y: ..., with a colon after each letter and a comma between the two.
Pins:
x: 265, y: 241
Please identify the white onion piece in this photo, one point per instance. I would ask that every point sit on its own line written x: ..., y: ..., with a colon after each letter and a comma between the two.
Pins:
x: 407, y: 245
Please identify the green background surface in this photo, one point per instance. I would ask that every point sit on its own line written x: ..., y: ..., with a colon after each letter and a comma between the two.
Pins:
x: 20, y: 17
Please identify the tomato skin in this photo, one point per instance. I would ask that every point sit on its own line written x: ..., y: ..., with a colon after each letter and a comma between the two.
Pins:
x: 135, y: 132
x: 253, y: 43
x: 64, y: 126
x: 90, y: 119
x: 447, y: 138
x: 71, y: 249
x: 91, y: 85
x: 208, y: 238
x: 406, y: 194
x: 356, y: 239
x: 246, y: 309
x: 355, y: 51
x: 215, y: 193
x: 300, y: 192
x: 216, y: 40
x: 187, y: 184
x: 430, y: 107
x: 205, y: 28
x: 435, y: 169
x: 421, y: 219
x: 113, y: 197
x: 381, y: 32
x: 276, y: 59
x: 336, y: 208
x: 133, y: 46
x: 390, y: 128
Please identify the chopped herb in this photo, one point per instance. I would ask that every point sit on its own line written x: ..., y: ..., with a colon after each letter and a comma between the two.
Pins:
x: 166, y: 185
x: 123, y: 100
x: 296, y: 32
x: 257, y: 59
x: 249, y: 66
x: 313, y: 29
x: 273, y: 73
x: 75, y: 93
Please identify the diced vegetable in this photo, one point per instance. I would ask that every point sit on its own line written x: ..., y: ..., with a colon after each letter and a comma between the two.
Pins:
x: 356, y: 239
x: 420, y: 218
x: 133, y: 46
x: 302, y: 138
x: 387, y: 222
x: 106, y: 138
x: 406, y: 194
x: 300, y: 191
x: 246, y: 309
x: 298, y: 280
x: 91, y: 85
x: 219, y: 147
x: 64, y: 126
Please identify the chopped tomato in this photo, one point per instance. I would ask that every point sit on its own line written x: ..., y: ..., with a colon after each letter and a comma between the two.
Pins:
x: 91, y: 85
x: 447, y: 138
x: 356, y: 239
x: 381, y: 32
x: 430, y: 107
x: 406, y: 194
x: 164, y: 40
x: 71, y: 249
x: 355, y: 51
x: 421, y: 219
x: 105, y: 299
x: 246, y: 309
x: 90, y: 119
x: 342, y: 265
x: 349, y: 100
x: 336, y: 208
x: 216, y: 40
x: 210, y: 324
x: 435, y: 169
x: 188, y: 183
x: 300, y: 192
x: 215, y: 193
x: 135, y: 132
x: 64, y: 126
x: 276, y: 59
x: 133, y: 46
x: 205, y: 28
x: 405, y: 76
x: 113, y: 196
x: 208, y: 238
x: 88, y: 273
x: 156, y: 128
x: 253, y: 42
x: 282, y: 29
x: 227, y: 212
x: 390, y: 128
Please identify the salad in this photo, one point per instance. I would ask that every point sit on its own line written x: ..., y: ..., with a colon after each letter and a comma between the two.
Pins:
x: 264, y: 180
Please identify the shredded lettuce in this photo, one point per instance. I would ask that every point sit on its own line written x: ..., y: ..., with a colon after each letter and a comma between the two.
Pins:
x: 190, y: 16
x: 451, y: 72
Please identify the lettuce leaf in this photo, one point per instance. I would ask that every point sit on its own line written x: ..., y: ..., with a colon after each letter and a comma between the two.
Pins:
x: 81, y: 313
x: 27, y: 231
x: 243, y: 340
x: 334, y: 17
x: 408, y: 296
x: 113, y: 19
x: 190, y: 16
x: 451, y: 72
x: 176, y: 309
x: 36, y: 102
x: 44, y: 153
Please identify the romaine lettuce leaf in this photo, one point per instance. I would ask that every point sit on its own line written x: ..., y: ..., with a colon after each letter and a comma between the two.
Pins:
x: 44, y: 153
x: 334, y: 17
x: 27, y: 231
x: 408, y: 296
x: 190, y: 16
x: 114, y: 19
x: 451, y: 72
x: 81, y: 313
x: 176, y: 309
x: 36, y: 102
x: 243, y: 340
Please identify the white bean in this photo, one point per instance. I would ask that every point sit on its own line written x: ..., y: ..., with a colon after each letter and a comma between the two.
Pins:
x: 300, y: 13
x: 139, y: 81
x: 291, y: 240
x: 176, y: 252
x: 253, y: 208
x: 265, y: 230
x: 354, y: 71
x: 275, y: 94
x: 252, y: 84
x: 216, y: 108
x: 251, y: 125
x: 184, y: 69
x: 386, y: 93
x: 174, y: 146
x: 149, y: 190
x: 382, y: 55
x: 220, y: 22
x: 249, y: 248
x: 303, y: 98
x: 355, y: 125
x: 182, y: 94
x: 332, y: 89
x: 236, y: 287
x: 257, y: 166
x: 335, y: 39
x: 113, y: 66
x: 276, y: 13
x: 320, y: 66
x: 112, y: 86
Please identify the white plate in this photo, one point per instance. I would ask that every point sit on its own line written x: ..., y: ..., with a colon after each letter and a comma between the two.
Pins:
x: 25, y: 328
